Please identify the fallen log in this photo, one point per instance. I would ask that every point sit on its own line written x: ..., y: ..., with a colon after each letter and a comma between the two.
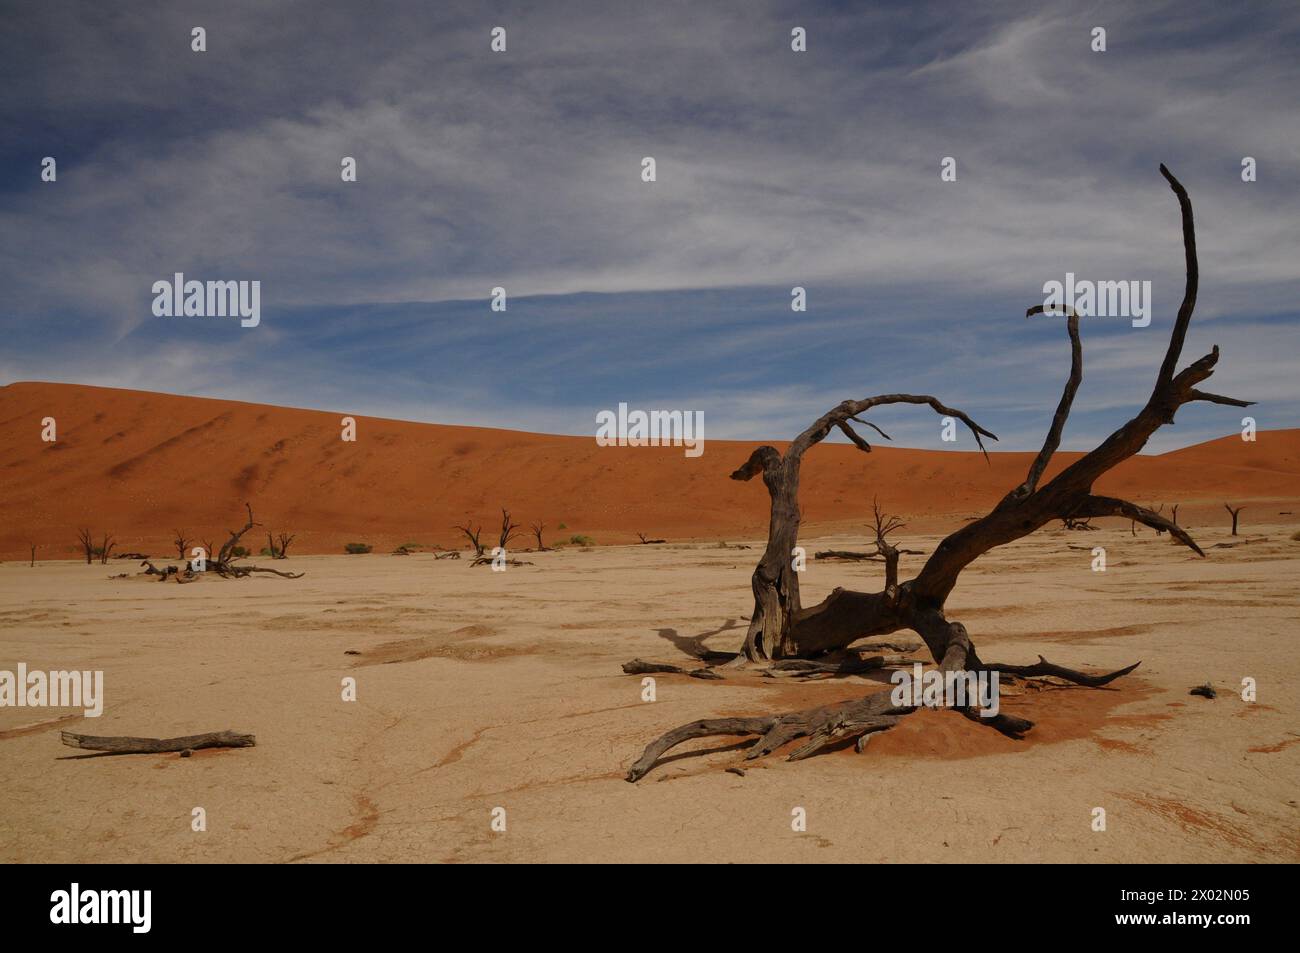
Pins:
x: 120, y: 744
x: 856, y: 556
x: 642, y: 667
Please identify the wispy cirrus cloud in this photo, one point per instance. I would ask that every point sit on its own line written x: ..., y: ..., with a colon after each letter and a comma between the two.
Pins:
x: 775, y: 169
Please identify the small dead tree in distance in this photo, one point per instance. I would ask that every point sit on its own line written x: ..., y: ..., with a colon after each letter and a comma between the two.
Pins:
x: 223, y: 561
x: 508, y: 532
x: 181, y: 542
x: 1234, y: 514
x: 537, y: 531
x: 87, y: 545
x: 473, y: 535
x: 781, y: 628
x: 278, y: 550
x: 105, y: 548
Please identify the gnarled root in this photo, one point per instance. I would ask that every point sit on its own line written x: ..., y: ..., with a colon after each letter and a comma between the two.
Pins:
x: 877, y: 712
x: 822, y: 726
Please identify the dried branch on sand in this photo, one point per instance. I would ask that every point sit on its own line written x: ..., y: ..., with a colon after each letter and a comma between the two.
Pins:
x: 128, y: 745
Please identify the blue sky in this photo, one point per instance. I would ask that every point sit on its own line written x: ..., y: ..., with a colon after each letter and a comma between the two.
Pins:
x: 775, y: 169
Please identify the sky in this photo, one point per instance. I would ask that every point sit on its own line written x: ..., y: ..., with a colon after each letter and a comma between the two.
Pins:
x: 774, y: 169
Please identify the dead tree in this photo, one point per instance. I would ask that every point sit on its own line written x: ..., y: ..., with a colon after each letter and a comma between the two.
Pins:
x: 508, y: 532
x: 650, y: 542
x: 473, y: 535
x: 181, y: 543
x: 1174, y: 514
x: 105, y: 547
x: 884, y: 552
x: 223, y: 562
x: 1234, y: 514
x: 33, y: 563
x: 537, y: 531
x: 87, y: 545
x: 508, y: 529
x: 1072, y: 522
x: 278, y: 551
x: 781, y: 628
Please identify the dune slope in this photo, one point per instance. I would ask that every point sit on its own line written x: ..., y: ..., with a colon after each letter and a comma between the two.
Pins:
x: 139, y: 465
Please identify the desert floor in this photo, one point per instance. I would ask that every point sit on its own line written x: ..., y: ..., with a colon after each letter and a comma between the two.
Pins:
x: 479, y: 690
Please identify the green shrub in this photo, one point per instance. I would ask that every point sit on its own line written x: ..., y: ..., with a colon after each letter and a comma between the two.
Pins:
x: 578, y: 540
x: 356, y: 549
x: 240, y: 552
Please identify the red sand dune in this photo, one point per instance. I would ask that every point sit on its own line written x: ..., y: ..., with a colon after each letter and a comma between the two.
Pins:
x: 141, y: 464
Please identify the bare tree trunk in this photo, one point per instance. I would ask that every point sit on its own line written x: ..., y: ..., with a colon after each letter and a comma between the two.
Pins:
x: 780, y: 627
x: 1234, y: 514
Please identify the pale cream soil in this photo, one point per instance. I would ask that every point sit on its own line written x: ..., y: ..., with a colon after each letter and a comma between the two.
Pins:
x: 479, y: 690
